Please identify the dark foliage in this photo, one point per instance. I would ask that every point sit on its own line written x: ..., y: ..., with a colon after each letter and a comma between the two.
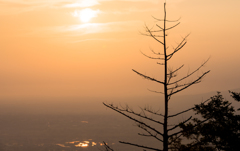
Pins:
x: 217, y: 129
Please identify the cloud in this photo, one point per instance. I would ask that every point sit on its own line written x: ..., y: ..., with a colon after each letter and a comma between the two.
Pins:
x: 152, y: 1
x: 92, y: 39
x: 79, y: 30
x: 90, y: 28
x: 83, y: 3
x: 135, y: 10
x: 18, y: 6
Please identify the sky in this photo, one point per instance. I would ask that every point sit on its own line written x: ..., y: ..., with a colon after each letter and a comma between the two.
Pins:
x: 88, y: 48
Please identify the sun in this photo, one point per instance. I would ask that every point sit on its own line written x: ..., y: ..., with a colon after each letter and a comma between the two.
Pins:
x: 87, y: 14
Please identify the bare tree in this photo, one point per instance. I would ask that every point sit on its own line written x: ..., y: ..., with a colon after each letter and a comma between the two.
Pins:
x: 164, y: 133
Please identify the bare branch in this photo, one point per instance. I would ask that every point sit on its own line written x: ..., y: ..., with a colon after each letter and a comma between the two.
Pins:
x: 155, y: 91
x: 194, y: 82
x: 107, y: 147
x: 153, y: 112
x: 153, y: 36
x: 190, y: 73
x: 185, y: 110
x: 176, y: 50
x: 170, y: 75
x: 160, y: 63
x: 141, y: 146
x: 181, y: 85
x: 169, y: 57
x: 142, y: 116
x: 151, y: 57
x: 142, y: 123
x: 166, y: 20
x: 179, y: 47
x: 181, y: 43
x: 152, y: 31
x: 129, y: 110
x: 192, y: 127
x: 150, y: 134
x: 149, y: 78
x: 155, y: 52
x: 169, y: 96
x: 148, y: 30
x: 173, y: 26
x: 160, y: 27
x: 181, y: 112
x: 180, y: 124
x: 177, y: 69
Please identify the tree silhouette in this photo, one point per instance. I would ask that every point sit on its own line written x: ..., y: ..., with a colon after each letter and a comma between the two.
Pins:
x: 162, y: 132
x: 219, y: 128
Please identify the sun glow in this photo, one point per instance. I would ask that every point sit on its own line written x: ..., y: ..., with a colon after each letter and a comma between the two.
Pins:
x: 85, y: 15
x: 83, y: 3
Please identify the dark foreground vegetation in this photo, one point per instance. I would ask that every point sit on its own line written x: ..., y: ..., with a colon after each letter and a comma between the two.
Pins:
x: 217, y: 127
x: 216, y: 130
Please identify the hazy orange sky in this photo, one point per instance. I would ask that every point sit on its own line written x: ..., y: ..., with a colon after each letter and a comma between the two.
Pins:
x: 46, y: 50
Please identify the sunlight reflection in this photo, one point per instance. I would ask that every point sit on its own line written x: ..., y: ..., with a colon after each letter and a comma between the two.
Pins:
x: 73, y: 142
x: 84, y: 144
x: 62, y: 145
x: 80, y: 144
